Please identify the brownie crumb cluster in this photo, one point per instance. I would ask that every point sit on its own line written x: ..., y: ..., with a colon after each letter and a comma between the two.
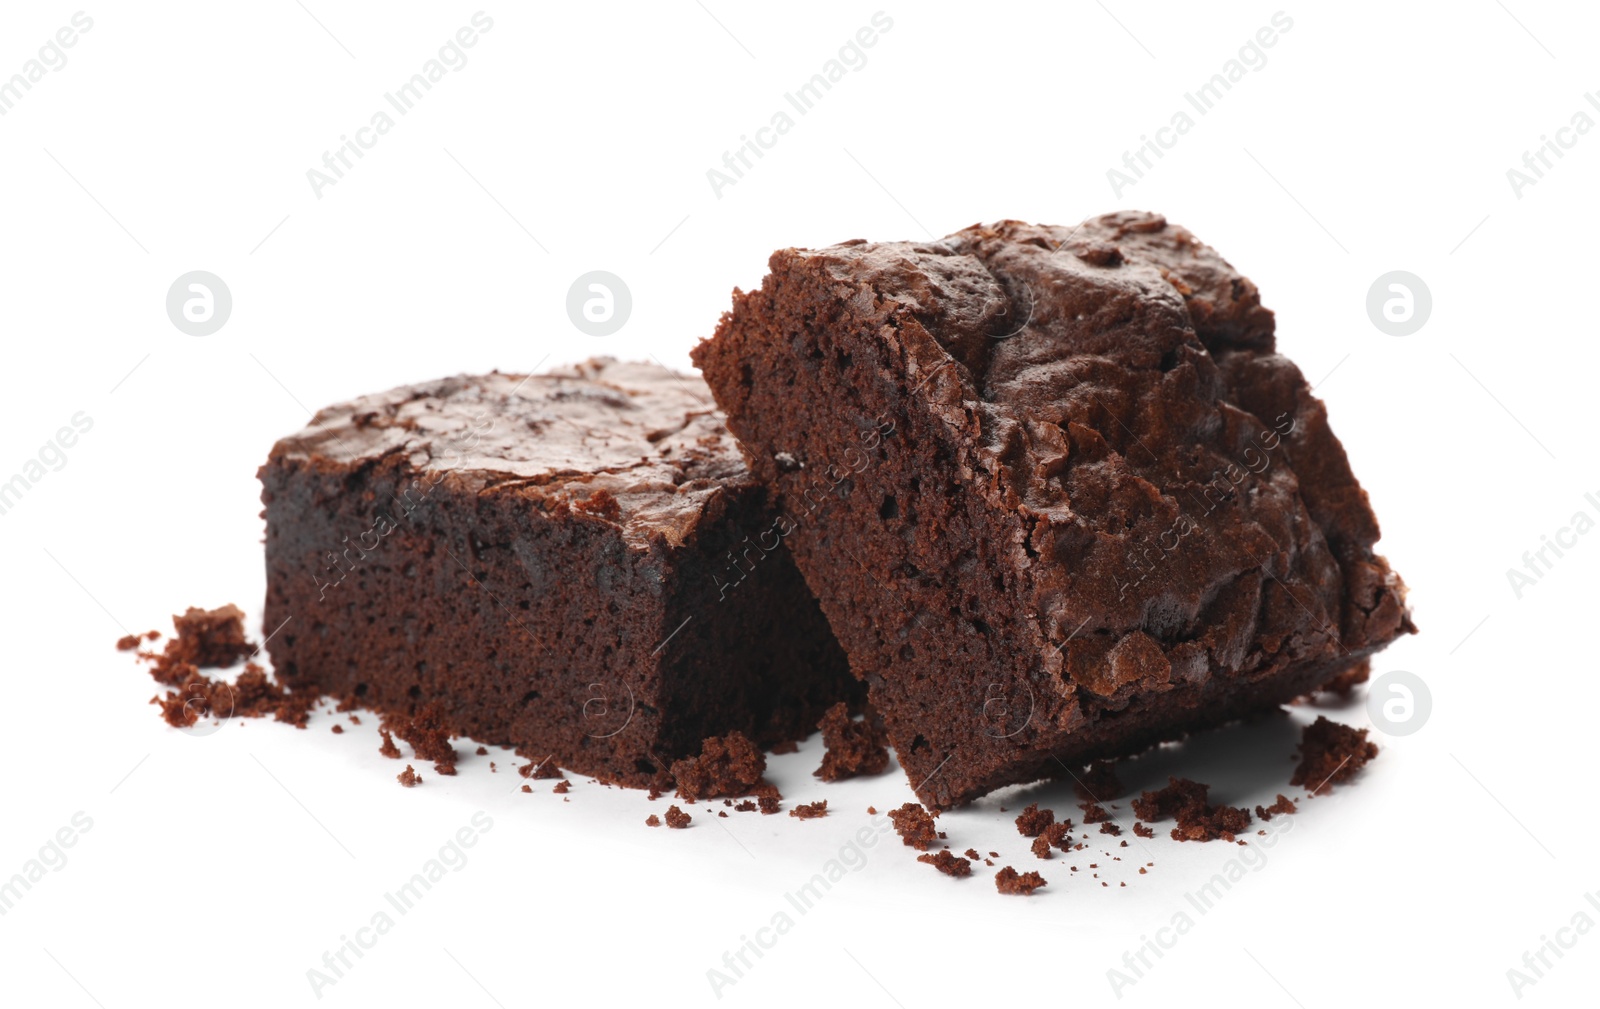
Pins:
x: 851, y: 746
x: 428, y: 735
x: 677, y: 819
x: 1330, y: 754
x: 207, y: 639
x: 947, y: 863
x: 915, y: 826
x: 1186, y: 801
x: 1033, y: 820
x: 810, y: 810
x: 728, y: 765
x: 1009, y: 880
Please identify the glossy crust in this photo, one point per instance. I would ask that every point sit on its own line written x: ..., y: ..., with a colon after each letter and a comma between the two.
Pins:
x: 1057, y: 493
x: 577, y: 563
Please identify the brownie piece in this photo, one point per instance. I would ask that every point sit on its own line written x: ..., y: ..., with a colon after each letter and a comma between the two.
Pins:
x: 1060, y: 498
x: 575, y: 563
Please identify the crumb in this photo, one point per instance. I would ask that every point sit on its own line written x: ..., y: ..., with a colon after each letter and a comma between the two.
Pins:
x: 338, y: 729
x: 1056, y: 835
x: 427, y: 734
x: 482, y: 751
x: 1110, y: 828
x: 528, y: 789
x: 543, y: 771
x: 1008, y: 880
x: 128, y: 642
x: 677, y: 819
x: 562, y: 787
x: 1093, y: 812
x: 852, y: 747
x: 650, y: 821
x: 914, y: 825
x: 1033, y: 820
x: 787, y: 746
x: 872, y: 810
x: 950, y: 865
x: 727, y: 765
x: 972, y: 854
x: 409, y: 777
x: 211, y: 638
x: 1165, y: 803
x: 1283, y: 805
x: 745, y: 807
x: 810, y: 810
x: 722, y: 813
x: 767, y: 800
x: 1198, y: 820
x: 1331, y: 753
x: 1142, y: 830
x: 388, y: 749
x: 1098, y: 783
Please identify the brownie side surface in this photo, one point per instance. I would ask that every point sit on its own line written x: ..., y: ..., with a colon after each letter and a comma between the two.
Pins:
x: 1059, y: 496
x: 547, y: 558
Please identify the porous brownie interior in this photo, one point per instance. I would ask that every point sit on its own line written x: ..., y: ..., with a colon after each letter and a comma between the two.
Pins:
x: 1057, y: 494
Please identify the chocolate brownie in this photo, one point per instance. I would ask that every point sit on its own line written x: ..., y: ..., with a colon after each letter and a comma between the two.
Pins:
x: 1059, y: 496
x: 575, y: 563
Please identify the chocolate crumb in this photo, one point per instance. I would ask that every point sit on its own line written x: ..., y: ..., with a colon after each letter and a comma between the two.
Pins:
x: 810, y: 810
x: 482, y: 751
x: 337, y: 729
x: 853, y: 747
x: 562, y: 787
x: 677, y: 819
x: 1093, y: 812
x: 1009, y: 880
x: 409, y: 777
x: 650, y: 821
x: 1110, y: 828
x: 950, y: 865
x: 1142, y: 830
x: 528, y: 789
x: 1033, y: 820
x: 1283, y: 805
x: 972, y: 854
x: 727, y: 765
x: 914, y: 825
x: 1331, y: 753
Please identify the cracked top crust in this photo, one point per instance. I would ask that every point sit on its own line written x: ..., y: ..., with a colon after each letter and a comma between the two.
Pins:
x: 1114, y: 386
x: 632, y: 444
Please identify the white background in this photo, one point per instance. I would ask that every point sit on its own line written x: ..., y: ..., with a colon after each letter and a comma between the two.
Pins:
x: 219, y: 868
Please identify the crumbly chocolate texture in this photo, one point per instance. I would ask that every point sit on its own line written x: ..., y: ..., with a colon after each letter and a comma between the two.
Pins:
x: 207, y: 639
x: 1033, y: 820
x: 1060, y: 497
x: 729, y: 765
x: 577, y: 563
x: 810, y: 810
x: 851, y: 746
x: 1009, y: 880
x: 676, y: 818
x: 1281, y: 806
x: 1186, y: 802
x: 409, y: 777
x: 1056, y: 835
x: 914, y: 825
x: 947, y: 863
x: 1330, y: 754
